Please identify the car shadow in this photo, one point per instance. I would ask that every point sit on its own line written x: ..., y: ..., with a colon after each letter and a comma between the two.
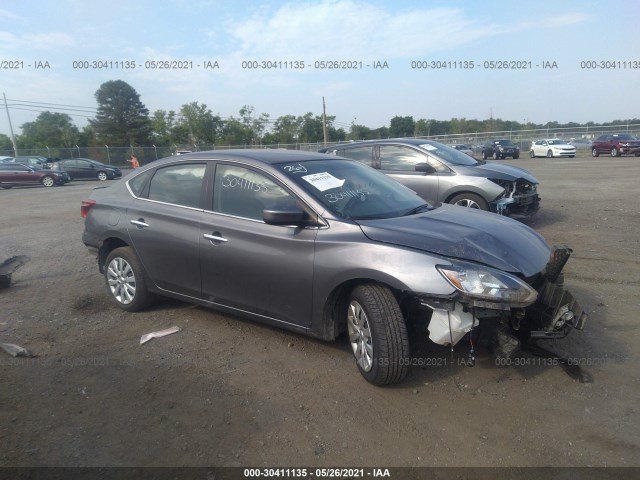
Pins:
x: 544, y: 217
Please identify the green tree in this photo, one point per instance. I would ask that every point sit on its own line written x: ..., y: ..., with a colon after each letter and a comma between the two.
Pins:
x: 49, y: 129
x: 122, y: 119
x: 163, y: 124
x: 5, y: 142
x: 402, y: 126
x: 197, y: 125
x: 359, y: 132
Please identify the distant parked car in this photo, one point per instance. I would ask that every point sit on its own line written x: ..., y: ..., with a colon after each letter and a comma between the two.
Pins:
x: 84, y: 168
x: 500, y: 148
x: 32, y: 161
x: 466, y: 149
x: 439, y: 173
x: 552, y: 147
x: 616, y: 144
x: 14, y: 174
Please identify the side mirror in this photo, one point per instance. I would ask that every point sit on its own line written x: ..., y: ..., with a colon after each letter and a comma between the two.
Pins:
x: 286, y: 216
x: 424, y: 168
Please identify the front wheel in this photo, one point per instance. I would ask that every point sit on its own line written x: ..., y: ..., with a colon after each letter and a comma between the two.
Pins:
x: 470, y: 200
x: 615, y: 152
x: 516, y: 156
x: 48, y: 181
x: 102, y: 176
x: 125, y: 280
x: 378, y: 334
x: 549, y: 154
x: 594, y: 152
x: 496, y: 156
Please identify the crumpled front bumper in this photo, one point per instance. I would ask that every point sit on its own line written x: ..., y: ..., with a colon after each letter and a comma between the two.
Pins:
x: 523, y: 204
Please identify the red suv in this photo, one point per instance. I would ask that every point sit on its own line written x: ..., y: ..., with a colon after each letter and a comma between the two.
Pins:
x: 616, y: 144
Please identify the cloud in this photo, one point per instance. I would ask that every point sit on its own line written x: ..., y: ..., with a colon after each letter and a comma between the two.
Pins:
x: 8, y: 14
x: 353, y: 30
x: 565, y: 20
x: 49, y: 41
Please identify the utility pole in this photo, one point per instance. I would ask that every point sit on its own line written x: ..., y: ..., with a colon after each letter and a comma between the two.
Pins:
x: 324, y: 123
x: 13, y: 137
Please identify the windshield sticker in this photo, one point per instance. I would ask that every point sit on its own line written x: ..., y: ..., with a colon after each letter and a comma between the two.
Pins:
x: 294, y: 168
x: 426, y: 146
x: 323, y: 181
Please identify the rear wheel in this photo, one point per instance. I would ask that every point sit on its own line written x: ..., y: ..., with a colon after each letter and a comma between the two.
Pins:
x: 484, y: 155
x: 594, y: 152
x: 531, y: 154
x: 48, y: 181
x: 378, y: 334
x: 470, y: 200
x: 102, y: 176
x: 125, y: 280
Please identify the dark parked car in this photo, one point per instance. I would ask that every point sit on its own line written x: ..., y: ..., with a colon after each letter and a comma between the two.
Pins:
x: 439, y: 173
x: 616, y: 144
x: 84, y: 168
x: 500, y: 148
x: 14, y: 174
x: 323, y: 246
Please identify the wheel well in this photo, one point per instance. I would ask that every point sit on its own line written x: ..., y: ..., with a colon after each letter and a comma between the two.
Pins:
x: 455, y: 194
x: 334, y: 320
x: 107, y: 247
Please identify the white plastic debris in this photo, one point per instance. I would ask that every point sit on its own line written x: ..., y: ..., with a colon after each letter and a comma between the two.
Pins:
x: 16, y: 350
x: 160, y: 333
x: 460, y: 322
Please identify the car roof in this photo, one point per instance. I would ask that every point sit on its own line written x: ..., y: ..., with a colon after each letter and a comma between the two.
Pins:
x: 382, y: 141
x: 268, y: 156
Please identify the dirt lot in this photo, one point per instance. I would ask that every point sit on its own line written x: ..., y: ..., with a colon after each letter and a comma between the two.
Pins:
x: 228, y: 392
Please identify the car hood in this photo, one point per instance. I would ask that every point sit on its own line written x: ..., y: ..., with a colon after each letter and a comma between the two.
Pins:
x: 463, y: 233
x: 499, y: 171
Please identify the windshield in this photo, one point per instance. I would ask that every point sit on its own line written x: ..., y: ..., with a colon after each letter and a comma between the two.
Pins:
x: 505, y: 143
x: 624, y: 136
x: 448, y: 154
x: 352, y: 190
x: 556, y: 141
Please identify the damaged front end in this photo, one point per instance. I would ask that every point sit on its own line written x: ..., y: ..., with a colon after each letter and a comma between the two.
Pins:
x: 520, y: 197
x: 539, y: 307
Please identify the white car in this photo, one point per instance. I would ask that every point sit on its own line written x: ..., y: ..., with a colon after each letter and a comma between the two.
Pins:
x: 552, y: 147
x: 464, y: 149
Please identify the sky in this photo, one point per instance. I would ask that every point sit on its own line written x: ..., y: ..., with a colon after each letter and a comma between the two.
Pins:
x: 61, y: 51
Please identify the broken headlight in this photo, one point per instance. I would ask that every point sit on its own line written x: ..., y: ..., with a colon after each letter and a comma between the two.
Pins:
x: 487, y: 284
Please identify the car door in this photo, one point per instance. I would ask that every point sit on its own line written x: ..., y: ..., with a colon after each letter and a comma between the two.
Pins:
x: 248, y: 265
x: 399, y: 162
x: 70, y: 166
x: 163, y: 224
x: 362, y: 154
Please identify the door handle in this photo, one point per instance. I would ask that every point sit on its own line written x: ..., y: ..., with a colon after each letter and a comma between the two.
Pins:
x: 215, y: 238
x: 139, y: 223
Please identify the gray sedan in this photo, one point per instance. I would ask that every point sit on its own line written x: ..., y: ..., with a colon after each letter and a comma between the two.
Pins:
x: 439, y: 173
x: 323, y: 246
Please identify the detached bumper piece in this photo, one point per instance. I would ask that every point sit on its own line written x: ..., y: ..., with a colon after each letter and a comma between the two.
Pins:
x: 526, y: 204
x: 556, y: 312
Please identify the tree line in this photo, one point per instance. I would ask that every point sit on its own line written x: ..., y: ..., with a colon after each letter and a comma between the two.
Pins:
x: 122, y: 120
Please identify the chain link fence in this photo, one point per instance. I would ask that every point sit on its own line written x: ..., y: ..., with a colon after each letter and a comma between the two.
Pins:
x: 581, y: 137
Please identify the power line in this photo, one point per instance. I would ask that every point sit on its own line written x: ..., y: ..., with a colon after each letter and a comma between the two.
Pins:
x: 54, y: 104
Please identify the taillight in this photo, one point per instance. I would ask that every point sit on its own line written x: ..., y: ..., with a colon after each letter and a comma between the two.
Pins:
x: 85, y: 206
